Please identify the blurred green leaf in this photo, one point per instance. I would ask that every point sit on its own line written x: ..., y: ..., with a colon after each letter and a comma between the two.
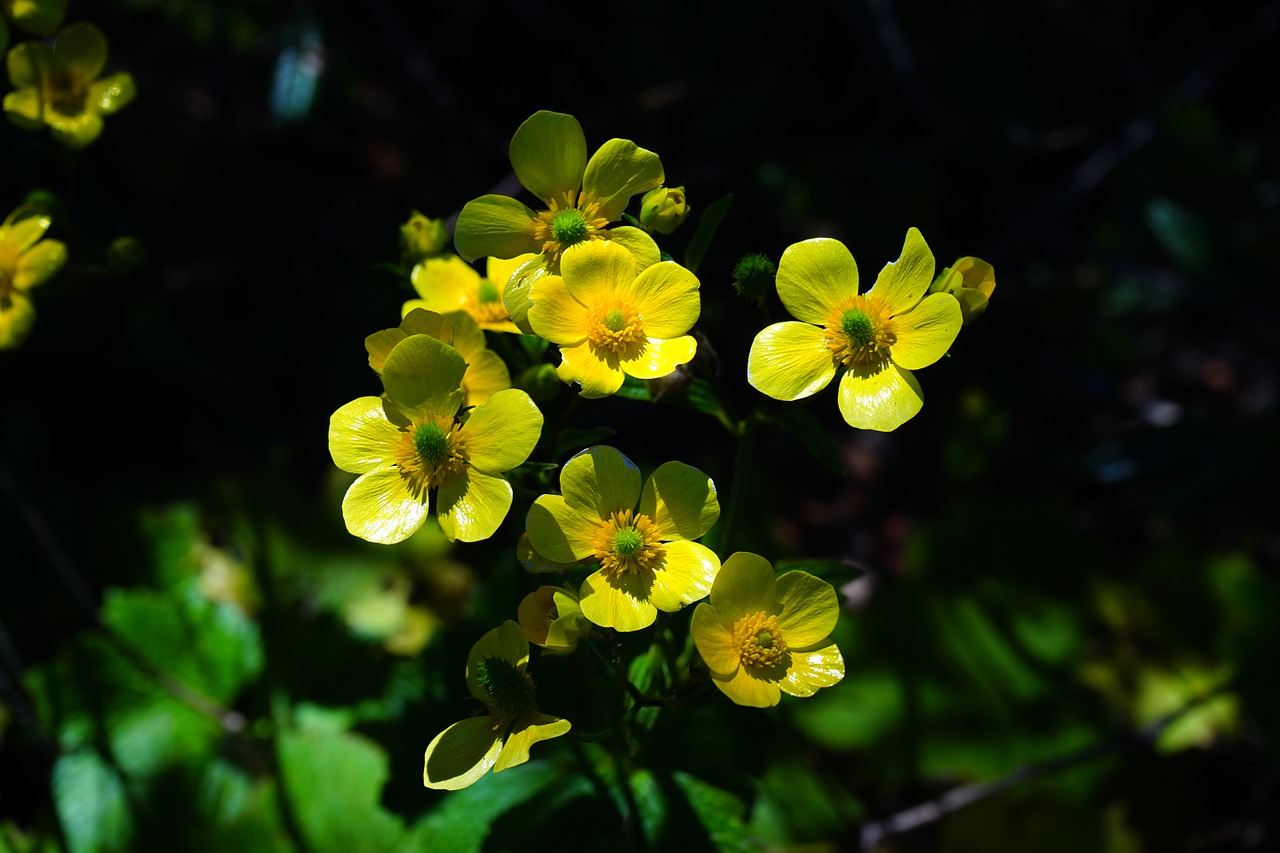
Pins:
x: 720, y: 812
x: 462, y: 821
x: 573, y: 440
x: 708, y: 222
x: 1181, y: 233
x: 92, y: 804
x: 805, y: 427
x: 855, y: 713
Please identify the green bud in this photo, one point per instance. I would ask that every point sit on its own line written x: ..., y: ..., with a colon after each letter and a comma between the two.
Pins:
x: 753, y: 277
x: 422, y: 238
x: 663, y: 209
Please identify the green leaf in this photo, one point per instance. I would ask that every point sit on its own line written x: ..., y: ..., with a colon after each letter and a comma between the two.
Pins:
x: 805, y: 427
x: 463, y: 820
x: 334, y: 782
x: 720, y: 812
x: 92, y: 804
x: 708, y: 222
x: 633, y: 389
x: 1181, y: 233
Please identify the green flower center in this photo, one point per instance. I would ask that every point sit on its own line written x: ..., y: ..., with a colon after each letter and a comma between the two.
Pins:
x: 857, y: 327
x: 488, y: 293
x: 432, y: 443
x: 764, y: 640
x: 509, y: 688
x: 569, y: 227
x: 615, y: 320
x: 627, y: 541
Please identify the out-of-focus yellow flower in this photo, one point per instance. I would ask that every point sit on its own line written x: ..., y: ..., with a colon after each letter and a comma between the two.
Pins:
x: 642, y: 538
x: 971, y: 281
x: 663, y: 209
x: 486, y: 373
x: 41, y: 17
x: 60, y: 87
x: 414, y: 440
x: 877, y: 338
x: 422, y: 238
x: 450, y: 284
x: 612, y: 319
x: 496, y: 675
x: 550, y: 617
x: 26, y: 260
x: 762, y: 635
x: 582, y: 197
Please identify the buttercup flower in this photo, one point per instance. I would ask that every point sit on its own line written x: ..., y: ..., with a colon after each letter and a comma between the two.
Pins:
x: 877, y: 338
x: 41, y: 17
x: 647, y: 559
x: 663, y: 209
x: 550, y: 617
x: 413, y: 441
x: 496, y: 675
x: 26, y: 260
x: 450, y: 284
x: 971, y: 281
x: 762, y: 635
x: 422, y: 237
x: 612, y: 319
x: 486, y: 373
x: 60, y: 87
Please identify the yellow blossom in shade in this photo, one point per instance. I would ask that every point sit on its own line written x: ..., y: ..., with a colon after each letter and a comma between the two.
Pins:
x: 497, y: 677
x: 612, y: 320
x: 414, y: 441
x: 551, y: 617
x: 971, y: 281
x: 641, y: 538
x: 422, y: 237
x: 486, y: 372
x: 41, y: 17
x: 60, y: 87
x: 450, y: 284
x: 26, y: 260
x: 762, y: 636
x: 876, y: 338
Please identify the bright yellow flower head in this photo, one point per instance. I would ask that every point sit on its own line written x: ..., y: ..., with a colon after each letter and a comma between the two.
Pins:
x: 496, y: 676
x: 612, y: 319
x: 762, y: 635
x: 551, y: 617
x: 640, y: 538
x: 877, y: 338
x: 450, y: 284
x: 486, y: 374
x: 60, y: 87
x: 413, y: 441
x: 26, y: 260
x: 971, y: 281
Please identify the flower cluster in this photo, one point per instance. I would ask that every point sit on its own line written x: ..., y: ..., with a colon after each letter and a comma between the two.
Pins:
x: 26, y: 260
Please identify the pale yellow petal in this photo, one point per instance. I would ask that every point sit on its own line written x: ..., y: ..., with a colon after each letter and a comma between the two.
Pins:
x: 527, y: 731
x: 744, y: 585
x: 749, y: 689
x: 517, y: 294
x: 423, y: 377
x: 549, y: 153
x: 681, y: 500
x: 361, y: 439
x: 659, y: 358
x: 643, y: 249
x: 462, y: 753
x: 486, y: 375
x: 666, y: 296
x: 903, y: 282
x: 472, y: 505
x: 598, y: 375
x: 814, y: 277
x: 380, y: 509
x: 599, y: 481
x: 39, y: 263
x: 806, y: 607
x: 620, y: 602
x: 714, y: 638
x: 558, y: 532
x: 618, y: 170
x: 501, y: 434
x: 446, y: 283
x: 596, y: 270
x: 790, y: 361
x: 16, y: 320
x: 811, y: 670
x: 555, y: 314
x: 879, y: 397
x: 685, y: 577
x: 927, y: 331
x: 496, y: 226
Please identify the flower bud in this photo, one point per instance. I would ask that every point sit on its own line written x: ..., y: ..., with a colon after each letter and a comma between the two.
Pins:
x: 663, y: 209
x: 971, y: 281
x: 422, y: 238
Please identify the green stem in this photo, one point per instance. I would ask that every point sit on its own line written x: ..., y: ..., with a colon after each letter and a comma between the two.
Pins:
x: 738, y: 485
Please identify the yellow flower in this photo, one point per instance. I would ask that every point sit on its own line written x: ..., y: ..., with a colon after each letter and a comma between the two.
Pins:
x: 663, y: 209
x: 496, y: 676
x: 486, y: 374
x: 450, y: 284
x: 551, y: 617
x: 762, y: 635
x: 971, y: 281
x: 60, y: 87
x: 647, y: 559
x: 612, y: 319
x: 877, y: 338
x: 422, y: 237
x: 26, y: 260
x: 414, y: 441
x: 41, y: 17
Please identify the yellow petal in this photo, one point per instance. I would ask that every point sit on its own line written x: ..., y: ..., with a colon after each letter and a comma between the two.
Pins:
x: 16, y: 320
x: 659, y: 358
x: 600, y: 480
x: 666, y: 295
x: 926, y: 332
x: 549, y: 153
x: 41, y: 17
x: 361, y: 439
x: 495, y: 225
x: 598, y: 376
x: 446, y: 283
x: 815, y: 276
x: 533, y: 612
x: 527, y: 731
x: 620, y: 602
x: 536, y: 563
x: 379, y: 345
x: 714, y: 638
x: 29, y: 64
x: 811, y: 670
x: 486, y: 375
x: 517, y: 295
x: 744, y: 585
x: 380, y: 509
x: 806, y: 608
x: 461, y: 331
x: 790, y: 361
x: 462, y: 753
x: 25, y: 108
x: 596, y: 270
x: 77, y: 131
x: 499, y: 270
x: 902, y: 282
x: 644, y: 251
x: 19, y: 234
x: 81, y: 48
x: 111, y: 93
x: 502, y: 433
x: 558, y: 532
x: 39, y: 263
x: 556, y: 315
x: 423, y: 377
x: 879, y: 397
x: 618, y: 170
x: 686, y: 576
x: 746, y: 688
x: 681, y: 500
x: 472, y: 505
x: 505, y: 642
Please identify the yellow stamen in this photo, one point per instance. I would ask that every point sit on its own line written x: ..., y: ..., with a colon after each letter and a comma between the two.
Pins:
x: 759, y: 640
x: 626, y: 542
x: 616, y: 327
x: 859, y: 331
x: 429, y: 453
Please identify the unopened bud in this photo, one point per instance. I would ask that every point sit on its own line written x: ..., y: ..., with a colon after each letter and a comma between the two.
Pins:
x: 422, y: 238
x: 663, y: 209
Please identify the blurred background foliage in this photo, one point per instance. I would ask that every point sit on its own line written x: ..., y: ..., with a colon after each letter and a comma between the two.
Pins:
x: 1064, y: 569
